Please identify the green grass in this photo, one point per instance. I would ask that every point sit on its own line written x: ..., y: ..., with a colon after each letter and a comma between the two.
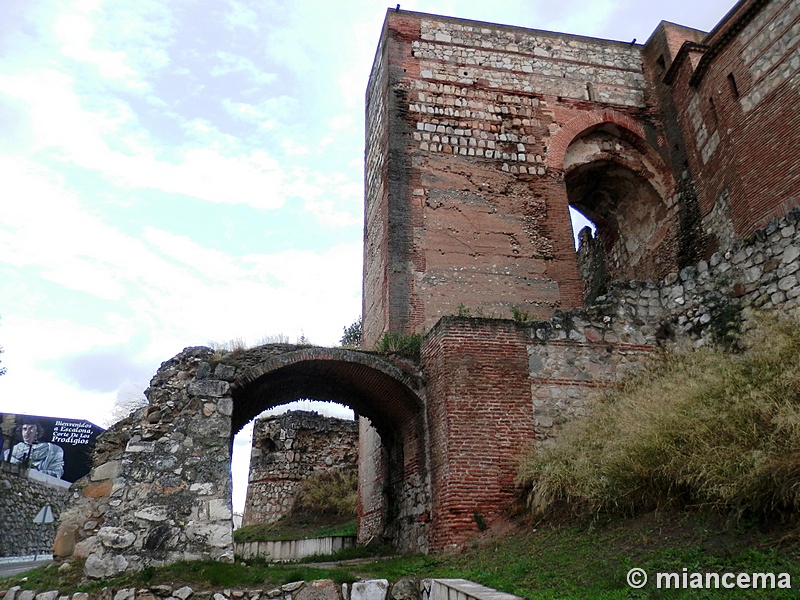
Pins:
x: 295, y: 528
x: 588, y: 559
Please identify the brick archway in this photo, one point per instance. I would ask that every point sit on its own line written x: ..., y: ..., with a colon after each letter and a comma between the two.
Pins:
x: 393, y: 471
x: 371, y: 386
x: 631, y: 129
x: 620, y: 183
x: 160, y: 489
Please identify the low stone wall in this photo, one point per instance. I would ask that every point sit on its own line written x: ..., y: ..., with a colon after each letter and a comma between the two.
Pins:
x: 287, y: 449
x: 21, y: 499
x: 324, y: 589
x: 461, y: 589
x: 293, y: 549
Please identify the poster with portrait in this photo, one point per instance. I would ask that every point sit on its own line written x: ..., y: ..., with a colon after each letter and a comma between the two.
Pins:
x: 57, y: 447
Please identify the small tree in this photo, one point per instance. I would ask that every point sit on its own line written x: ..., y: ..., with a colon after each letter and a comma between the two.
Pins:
x: 351, y: 337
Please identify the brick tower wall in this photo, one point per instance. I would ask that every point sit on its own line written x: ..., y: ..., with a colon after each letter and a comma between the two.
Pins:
x: 465, y: 198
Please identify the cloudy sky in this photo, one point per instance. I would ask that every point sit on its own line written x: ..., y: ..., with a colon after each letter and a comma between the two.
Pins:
x: 176, y: 172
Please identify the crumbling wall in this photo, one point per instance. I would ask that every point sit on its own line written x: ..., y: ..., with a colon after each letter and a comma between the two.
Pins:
x: 159, y: 491
x: 708, y: 303
x: 21, y: 499
x: 286, y: 450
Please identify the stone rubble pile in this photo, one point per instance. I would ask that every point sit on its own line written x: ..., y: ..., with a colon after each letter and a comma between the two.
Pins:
x: 324, y: 589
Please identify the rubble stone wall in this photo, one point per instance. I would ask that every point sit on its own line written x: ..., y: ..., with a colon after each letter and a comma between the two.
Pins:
x: 286, y: 450
x: 21, y: 499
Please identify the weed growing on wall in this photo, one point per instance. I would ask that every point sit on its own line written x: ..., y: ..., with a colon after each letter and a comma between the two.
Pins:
x: 400, y: 343
x: 705, y: 429
x: 519, y: 315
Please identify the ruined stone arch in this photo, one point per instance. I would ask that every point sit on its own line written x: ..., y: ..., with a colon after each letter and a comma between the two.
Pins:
x: 620, y: 182
x: 160, y: 487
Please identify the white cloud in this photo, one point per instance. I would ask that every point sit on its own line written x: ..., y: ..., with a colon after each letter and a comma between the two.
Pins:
x: 241, y: 15
x: 236, y: 63
x: 75, y: 32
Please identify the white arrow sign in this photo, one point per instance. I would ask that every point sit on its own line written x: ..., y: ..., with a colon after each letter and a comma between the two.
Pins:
x: 45, y: 515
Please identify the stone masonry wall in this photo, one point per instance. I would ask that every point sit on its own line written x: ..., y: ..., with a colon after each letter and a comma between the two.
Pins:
x: 159, y: 491
x: 580, y: 351
x: 470, y: 181
x: 21, y: 499
x: 736, y: 95
x: 286, y: 450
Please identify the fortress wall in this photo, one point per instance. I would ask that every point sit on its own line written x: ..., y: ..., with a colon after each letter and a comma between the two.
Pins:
x: 286, y: 450
x: 738, y: 103
x: 497, y: 388
x: 471, y: 182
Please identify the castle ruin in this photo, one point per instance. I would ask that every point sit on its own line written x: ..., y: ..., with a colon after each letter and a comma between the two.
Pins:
x: 682, y: 151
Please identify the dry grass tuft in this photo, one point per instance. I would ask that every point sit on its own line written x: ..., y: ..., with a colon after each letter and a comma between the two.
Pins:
x: 700, y: 429
x: 332, y: 493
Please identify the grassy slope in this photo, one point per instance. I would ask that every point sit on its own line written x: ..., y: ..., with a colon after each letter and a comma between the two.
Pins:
x: 588, y: 560
x: 711, y: 430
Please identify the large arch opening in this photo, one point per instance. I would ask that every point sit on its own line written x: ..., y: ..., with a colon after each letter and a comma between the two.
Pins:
x: 393, y: 483
x: 621, y: 188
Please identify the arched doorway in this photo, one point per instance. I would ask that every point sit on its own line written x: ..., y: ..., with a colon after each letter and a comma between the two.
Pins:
x: 393, y: 481
x: 160, y: 487
x: 619, y: 184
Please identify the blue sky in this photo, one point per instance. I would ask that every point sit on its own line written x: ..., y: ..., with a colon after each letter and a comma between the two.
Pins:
x: 179, y: 172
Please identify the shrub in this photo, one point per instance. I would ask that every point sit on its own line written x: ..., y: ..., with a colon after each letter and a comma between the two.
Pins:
x: 332, y: 493
x: 400, y: 343
x: 705, y: 428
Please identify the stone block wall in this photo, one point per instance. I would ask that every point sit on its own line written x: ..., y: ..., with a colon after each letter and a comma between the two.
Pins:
x: 21, y: 499
x: 465, y: 198
x: 286, y: 450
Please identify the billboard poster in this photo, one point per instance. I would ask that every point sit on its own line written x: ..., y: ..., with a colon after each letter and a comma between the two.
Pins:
x: 57, y: 447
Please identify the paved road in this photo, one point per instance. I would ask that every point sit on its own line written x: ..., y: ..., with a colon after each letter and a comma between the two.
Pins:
x: 7, y: 569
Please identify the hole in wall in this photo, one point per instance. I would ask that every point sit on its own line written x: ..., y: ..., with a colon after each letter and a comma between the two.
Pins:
x: 579, y: 221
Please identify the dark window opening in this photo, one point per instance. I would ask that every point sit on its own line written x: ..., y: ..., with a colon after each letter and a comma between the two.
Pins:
x: 733, y: 86
x: 713, y: 111
x: 661, y: 62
